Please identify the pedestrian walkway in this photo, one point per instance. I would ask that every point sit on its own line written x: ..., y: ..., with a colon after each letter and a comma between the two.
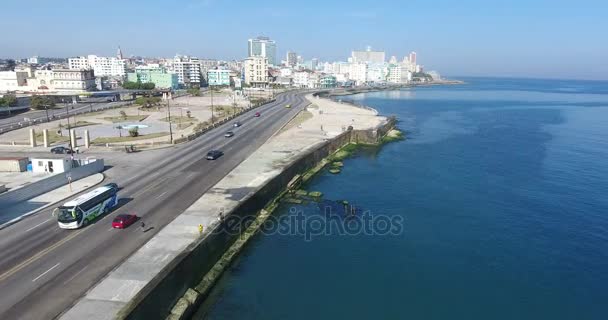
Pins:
x: 27, y: 208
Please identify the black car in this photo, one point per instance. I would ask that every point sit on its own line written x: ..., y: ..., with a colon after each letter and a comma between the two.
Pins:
x: 237, y: 124
x: 62, y: 150
x: 214, y: 154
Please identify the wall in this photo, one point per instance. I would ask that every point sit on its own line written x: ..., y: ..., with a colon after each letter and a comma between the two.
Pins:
x: 13, y: 164
x: 45, y: 185
x: 187, y: 270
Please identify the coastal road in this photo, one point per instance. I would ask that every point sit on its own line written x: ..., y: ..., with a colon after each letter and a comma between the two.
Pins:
x: 44, y: 269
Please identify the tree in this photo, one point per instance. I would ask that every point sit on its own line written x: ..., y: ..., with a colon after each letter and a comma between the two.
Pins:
x: 123, y: 115
x: 130, y: 85
x: 9, y: 100
x: 147, y: 86
x: 134, y: 132
x: 196, y: 91
x: 42, y: 102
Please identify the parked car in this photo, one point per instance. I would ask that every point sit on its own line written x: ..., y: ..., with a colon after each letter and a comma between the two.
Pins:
x: 229, y: 134
x: 257, y: 114
x: 214, y: 154
x: 237, y: 124
x: 61, y: 150
x: 287, y: 106
x: 123, y: 220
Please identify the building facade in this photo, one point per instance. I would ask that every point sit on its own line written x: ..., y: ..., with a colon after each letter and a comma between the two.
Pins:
x: 102, y: 66
x: 13, y: 81
x: 218, y: 77
x: 263, y: 47
x: 62, y: 80
x: 188, y: 70
x: 368, y: 56
x: 154, y: 74
x: 256, y: 71
x: 292, y: 59
x: 328, y: 81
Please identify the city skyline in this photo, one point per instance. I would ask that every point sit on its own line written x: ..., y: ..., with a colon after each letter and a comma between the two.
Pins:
x: 529, y: 39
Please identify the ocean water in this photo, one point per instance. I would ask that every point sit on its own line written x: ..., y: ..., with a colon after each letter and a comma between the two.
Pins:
x: 497, y: 203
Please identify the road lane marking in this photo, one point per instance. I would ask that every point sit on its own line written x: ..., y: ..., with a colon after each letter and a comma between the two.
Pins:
x: 74, y: 276
x: 160, y: 195
x: 38, y: 225
x: 38, y: 256
x: 42, y: 275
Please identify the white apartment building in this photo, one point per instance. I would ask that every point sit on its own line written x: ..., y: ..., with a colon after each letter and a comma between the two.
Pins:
x: 376, y: 72
x: 286, y: 72
x: 300, y: 79
x: 399, y: 74
x: 102, y: 66
x: 368, y: 56
x: 188, y: 70
x: 358, y: 72
x: 256, y: 71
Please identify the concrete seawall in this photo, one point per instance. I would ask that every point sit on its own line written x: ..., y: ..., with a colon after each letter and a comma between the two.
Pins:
x: 171, y: 265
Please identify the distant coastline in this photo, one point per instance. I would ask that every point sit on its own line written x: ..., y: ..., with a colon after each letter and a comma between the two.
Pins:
x: 356, y: 90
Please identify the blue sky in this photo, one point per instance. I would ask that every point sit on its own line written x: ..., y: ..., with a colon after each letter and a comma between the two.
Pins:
x: 531, y: 38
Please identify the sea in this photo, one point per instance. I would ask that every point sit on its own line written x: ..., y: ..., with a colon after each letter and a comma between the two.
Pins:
x: 494, y: 206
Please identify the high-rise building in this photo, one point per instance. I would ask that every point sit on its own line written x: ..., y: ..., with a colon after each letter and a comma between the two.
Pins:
x: 101, y: 66
x: 188, y: 70
x: 255, y: 71
x: 292, y: 59
x: 368, y: 56
x: 119, y: 53
x: 413, y: 58
x: 263, y: 47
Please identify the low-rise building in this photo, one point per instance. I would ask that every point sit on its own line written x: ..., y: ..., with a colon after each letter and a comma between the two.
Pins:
x: 328, y: 81
x: 300, y: 79
x: 13, y: 81
x: 218, y: 77
x: 154, y: 74
x: 62, y: 80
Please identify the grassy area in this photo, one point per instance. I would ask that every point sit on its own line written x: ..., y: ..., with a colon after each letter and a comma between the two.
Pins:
x: 181, y: 122
x: 125, y: 119
x: 53, y: 137
x: 297, y: 120
x: 129, y: 138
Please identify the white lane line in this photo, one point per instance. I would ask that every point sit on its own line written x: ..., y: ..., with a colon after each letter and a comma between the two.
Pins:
x: 38, y: 225
x: 74, y: 276
x: 49, y: 270
x: 162, y: 194
x: 190, y: 175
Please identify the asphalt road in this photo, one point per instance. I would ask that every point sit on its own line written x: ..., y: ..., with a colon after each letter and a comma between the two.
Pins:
x: 44, y: 269
x: 21, y: 120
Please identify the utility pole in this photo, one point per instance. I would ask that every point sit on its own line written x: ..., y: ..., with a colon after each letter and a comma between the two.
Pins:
x: 212, y: 117
x: 169, y: 111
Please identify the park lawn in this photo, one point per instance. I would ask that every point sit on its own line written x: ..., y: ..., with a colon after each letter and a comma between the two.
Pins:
x: 127, y: 138
x: 127, y: 118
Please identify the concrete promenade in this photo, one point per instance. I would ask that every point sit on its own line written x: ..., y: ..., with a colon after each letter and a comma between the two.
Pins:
x: 325, y: 119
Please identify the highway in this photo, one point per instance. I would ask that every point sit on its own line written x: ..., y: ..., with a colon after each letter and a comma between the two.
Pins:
x: 44, y: 269
x: 21, y: 120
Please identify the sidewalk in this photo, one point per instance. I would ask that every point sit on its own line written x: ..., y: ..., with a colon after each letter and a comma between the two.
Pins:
x: 105, y: 300
x: 25, y: 209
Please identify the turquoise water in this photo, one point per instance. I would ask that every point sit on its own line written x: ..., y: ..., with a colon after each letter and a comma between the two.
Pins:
x: 502, y: 187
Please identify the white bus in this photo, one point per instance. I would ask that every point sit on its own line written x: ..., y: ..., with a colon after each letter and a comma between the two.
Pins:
x: 82, y: 210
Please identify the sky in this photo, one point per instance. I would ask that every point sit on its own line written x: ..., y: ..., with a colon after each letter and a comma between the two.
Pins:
x: 507, y: 38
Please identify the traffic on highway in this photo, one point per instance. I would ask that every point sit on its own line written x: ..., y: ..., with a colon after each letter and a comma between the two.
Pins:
x: 45, y: 268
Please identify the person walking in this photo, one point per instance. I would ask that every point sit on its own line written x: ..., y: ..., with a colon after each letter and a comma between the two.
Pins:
x: 143, y: 227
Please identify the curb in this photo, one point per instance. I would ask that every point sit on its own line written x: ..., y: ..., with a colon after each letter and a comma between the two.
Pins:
x: 33, y: 212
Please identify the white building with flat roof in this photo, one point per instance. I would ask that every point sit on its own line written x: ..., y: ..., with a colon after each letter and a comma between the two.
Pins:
x: 62, y: 80
x: 368, y: 56
x: 102, y: 66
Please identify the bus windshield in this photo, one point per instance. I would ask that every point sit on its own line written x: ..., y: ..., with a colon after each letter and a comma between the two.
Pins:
x: 68, y: 214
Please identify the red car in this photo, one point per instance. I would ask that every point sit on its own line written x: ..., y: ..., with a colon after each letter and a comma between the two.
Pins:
x: 257, y: 114
x: 123, y: 220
